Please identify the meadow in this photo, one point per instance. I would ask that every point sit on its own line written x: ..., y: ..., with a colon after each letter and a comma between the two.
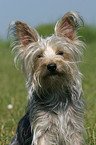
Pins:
x: 12, y: 86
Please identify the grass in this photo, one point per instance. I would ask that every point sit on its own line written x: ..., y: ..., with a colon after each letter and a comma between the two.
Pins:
x: 12, y: 88
x: 89, y: 84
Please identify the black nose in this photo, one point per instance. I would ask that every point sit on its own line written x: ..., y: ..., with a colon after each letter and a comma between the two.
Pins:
x: 51, y: 67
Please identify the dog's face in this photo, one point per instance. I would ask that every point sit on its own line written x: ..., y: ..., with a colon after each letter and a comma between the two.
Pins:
x: 49, y: 63
x: 53, y: 63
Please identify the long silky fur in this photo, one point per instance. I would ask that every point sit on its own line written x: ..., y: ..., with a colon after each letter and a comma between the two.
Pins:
x: 54, y: 117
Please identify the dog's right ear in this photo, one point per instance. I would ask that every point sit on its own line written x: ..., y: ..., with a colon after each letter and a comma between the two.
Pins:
x: 23, y: 33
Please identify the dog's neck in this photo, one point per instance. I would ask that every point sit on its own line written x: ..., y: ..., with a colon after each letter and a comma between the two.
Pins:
x: 52, y: 101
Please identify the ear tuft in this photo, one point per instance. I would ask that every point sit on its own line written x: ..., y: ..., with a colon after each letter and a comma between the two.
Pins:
x: 68, y: 25
x: 23, y: 33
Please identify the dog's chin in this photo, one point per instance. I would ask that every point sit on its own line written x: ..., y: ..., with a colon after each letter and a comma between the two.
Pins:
x: 52, y: 80
x: 55, y: 80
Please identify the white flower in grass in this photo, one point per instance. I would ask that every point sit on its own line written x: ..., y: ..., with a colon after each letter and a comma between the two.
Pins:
x: 10, y: 106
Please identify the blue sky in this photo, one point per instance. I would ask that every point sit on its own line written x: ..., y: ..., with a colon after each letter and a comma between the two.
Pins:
x: 36, y: 12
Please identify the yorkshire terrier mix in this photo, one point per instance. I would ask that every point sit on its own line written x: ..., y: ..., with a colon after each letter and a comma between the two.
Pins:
x: 54, y: 113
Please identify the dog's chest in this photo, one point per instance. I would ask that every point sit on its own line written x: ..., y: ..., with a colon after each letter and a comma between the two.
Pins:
x: 49, y: 128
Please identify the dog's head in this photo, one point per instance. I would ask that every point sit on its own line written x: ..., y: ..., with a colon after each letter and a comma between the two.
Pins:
x: 49, y: 63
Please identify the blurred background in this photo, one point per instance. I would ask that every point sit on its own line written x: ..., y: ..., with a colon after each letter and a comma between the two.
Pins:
x: 43, y: 15
x: 35, y: 12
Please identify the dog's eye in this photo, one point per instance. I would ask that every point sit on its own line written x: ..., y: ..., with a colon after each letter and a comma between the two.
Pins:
x: 60, y: 53
x: 39, y: 56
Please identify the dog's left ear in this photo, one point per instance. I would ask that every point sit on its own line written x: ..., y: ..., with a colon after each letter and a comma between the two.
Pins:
x: 23, y: 33
x: 67, y: 26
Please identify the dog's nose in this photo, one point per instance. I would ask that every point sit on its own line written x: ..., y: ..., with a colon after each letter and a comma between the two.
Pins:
x: 51, y: 67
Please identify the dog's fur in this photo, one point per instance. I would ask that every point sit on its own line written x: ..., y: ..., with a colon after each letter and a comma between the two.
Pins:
x: 55, y: 108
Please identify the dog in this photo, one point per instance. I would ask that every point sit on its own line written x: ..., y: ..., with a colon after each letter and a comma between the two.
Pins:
x: 55, y: 111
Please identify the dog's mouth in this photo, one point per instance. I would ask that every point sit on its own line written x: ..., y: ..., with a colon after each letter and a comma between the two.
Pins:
x: 54, y: 74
